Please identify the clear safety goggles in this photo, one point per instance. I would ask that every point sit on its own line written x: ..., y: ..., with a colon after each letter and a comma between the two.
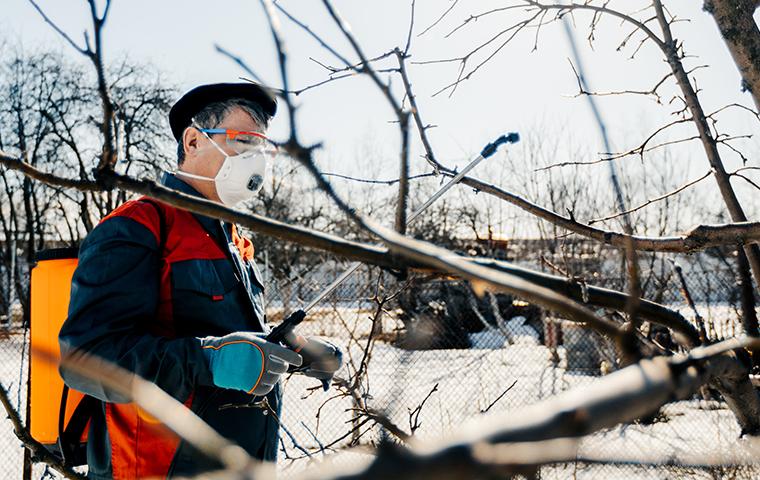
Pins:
x: 243, y: 141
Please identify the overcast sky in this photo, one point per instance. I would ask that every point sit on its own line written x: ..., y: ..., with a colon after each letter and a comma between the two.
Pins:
x: 518, y: 90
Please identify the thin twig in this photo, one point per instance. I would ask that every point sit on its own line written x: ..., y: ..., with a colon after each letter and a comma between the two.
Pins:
x: 376, y: 182
x: 239, y: 61
x: 438, y: 20
x: 414, y: 414
x: 653, y: 200
x: 690, y: 301
x: 499, y: 397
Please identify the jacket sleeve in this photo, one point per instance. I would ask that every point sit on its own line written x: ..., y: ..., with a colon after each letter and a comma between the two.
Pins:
x: 114, y: 298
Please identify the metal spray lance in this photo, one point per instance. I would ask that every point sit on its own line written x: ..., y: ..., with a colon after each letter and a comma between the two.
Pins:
x: 279, y: 333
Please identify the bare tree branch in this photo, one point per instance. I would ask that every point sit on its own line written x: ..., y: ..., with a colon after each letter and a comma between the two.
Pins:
x: 438, y: 20
x: 108, y: 156
x: 651, y: 92
x: 13, y: 163
x: 708, y: 141
x: 640, y: 150
x: 239, y: 62
x: 401, y: 115
x: 749, y: 315
x: 490, y: 406
x: 653, y: 200
x: 421, y: 127
x: 411, y: 30
x: 83, y: 50
x: 483, y: 278
x: 582, y: 292
x: 690, y: 301
x: 36, y: 448
x: 377, y: 182
x: 697, y: 238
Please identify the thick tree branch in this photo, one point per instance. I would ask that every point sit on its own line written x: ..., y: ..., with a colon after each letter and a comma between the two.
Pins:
x: 483, y: 278
x: 686, y: 334
x: 697, y: 238
x: 13, y: 163
x: 700, y: 237
x: 747, y: 293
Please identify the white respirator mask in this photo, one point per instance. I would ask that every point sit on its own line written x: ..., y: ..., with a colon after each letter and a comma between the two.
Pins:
x: 241, y: 176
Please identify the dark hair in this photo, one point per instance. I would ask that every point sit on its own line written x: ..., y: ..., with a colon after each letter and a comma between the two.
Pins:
x: 213, y: 114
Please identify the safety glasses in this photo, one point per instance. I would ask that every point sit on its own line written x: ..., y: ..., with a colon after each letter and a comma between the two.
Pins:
x: 242, y: 141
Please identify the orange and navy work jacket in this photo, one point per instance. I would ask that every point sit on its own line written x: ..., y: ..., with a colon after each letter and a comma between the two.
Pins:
x: 150, y: 281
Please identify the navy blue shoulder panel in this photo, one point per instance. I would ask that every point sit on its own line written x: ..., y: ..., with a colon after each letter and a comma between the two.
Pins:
x: 114, y: 299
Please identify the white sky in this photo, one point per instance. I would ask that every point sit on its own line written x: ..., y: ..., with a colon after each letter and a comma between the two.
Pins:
x: 519, y: 90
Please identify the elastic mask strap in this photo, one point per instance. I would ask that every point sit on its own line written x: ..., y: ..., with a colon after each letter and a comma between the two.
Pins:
x: 191, y: 175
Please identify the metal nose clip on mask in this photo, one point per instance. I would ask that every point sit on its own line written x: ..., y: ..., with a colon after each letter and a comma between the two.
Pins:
x: 241, y: 176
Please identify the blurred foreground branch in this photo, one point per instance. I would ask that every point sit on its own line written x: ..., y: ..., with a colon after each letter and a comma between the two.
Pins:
x: 519, y: 441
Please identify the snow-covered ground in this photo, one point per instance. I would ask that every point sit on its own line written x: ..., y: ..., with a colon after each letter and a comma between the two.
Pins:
x: 468, y: 382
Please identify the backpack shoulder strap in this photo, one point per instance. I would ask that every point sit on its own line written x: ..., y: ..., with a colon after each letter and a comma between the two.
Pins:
x: 70, y: 436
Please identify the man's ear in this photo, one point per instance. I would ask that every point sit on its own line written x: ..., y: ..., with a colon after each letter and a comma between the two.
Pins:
x: 190, y: 139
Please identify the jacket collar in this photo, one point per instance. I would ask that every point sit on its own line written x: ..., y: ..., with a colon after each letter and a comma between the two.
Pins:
x: 211, y: 225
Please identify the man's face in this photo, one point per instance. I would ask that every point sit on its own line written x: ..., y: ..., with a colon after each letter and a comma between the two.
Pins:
x: 204, y: 159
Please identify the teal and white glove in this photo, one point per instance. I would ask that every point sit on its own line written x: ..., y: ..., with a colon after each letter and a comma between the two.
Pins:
x: 246, y: 361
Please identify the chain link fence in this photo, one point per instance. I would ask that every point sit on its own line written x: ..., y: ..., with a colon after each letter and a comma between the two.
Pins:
x: 424, y: 354
x: 14, y: 368
x: 427, y: 354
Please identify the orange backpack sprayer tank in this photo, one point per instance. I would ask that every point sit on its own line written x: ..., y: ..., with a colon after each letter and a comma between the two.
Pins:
x: 50, y: 289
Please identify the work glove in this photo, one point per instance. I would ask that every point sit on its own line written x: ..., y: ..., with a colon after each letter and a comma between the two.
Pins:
x: 321, y: 359
x: 246, y: 361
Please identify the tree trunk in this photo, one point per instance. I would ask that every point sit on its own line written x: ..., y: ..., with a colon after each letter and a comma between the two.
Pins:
x: 747, y: 293
x: 730, y: 377
x: 742, y: 37
x: 733, y: 206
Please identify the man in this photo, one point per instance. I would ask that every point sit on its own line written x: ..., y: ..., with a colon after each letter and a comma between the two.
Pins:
x: 176, y: 298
